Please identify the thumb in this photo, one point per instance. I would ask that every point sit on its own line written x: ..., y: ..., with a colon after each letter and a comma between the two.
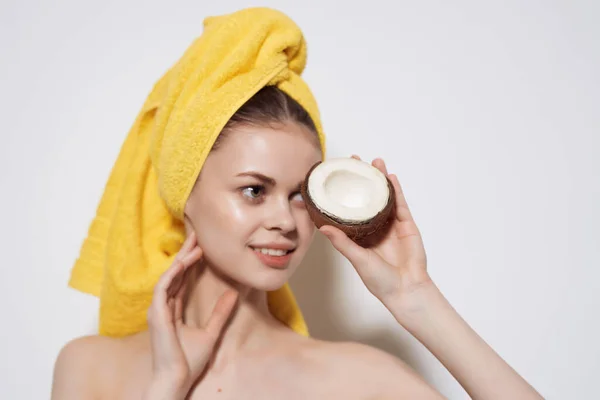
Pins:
x: 221, y: 313
x: 356, y: 254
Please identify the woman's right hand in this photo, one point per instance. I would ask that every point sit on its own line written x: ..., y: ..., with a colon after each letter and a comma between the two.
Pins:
x: 176, y: 365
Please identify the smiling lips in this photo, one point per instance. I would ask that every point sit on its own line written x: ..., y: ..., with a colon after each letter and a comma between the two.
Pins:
x: 275, y: 258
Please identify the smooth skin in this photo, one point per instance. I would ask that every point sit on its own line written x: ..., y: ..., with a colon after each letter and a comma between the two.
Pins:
x: 176, y: 365
x: 395, y: 271
x: 210, y: 334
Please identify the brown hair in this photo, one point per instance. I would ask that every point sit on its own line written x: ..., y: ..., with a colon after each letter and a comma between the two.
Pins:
x: 269, y: 106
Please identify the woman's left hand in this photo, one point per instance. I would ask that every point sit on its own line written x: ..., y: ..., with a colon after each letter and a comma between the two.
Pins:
x: 396, y: 265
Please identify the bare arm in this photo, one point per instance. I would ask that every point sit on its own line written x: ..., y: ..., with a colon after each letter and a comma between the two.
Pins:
x: 394, y: 269
x: 430, y: 318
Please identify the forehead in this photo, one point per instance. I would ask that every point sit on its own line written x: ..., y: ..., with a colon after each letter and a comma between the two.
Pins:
x: 280, y: 151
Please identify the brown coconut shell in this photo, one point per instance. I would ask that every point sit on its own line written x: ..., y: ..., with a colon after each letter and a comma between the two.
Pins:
x: 365, y: 233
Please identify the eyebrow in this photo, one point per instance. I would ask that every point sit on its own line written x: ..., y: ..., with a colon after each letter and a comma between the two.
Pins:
x: 263, y: 178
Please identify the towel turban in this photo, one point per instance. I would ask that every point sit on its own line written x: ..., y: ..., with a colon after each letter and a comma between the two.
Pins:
x: 138, y: 227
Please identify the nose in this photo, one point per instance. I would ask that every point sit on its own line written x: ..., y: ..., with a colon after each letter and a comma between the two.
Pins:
x: 280, y: 217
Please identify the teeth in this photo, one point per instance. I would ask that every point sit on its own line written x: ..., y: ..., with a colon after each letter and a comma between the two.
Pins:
x: 272, y: 252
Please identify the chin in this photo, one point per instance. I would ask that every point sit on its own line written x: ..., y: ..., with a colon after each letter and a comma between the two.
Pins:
x: 266, y: 279
x: 269, y: 281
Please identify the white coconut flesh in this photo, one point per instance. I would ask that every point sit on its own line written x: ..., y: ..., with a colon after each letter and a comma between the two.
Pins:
x: 348, y: 190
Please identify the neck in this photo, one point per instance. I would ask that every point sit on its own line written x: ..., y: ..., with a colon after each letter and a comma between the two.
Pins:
x: 250, y: 325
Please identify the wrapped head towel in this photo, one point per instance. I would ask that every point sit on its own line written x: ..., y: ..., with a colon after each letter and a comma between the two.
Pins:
x: 138, y: 227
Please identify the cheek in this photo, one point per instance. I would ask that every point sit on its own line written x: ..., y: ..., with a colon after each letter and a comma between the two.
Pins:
x: 226, y: 223
x: 306, y: 228
x: 242, y: 220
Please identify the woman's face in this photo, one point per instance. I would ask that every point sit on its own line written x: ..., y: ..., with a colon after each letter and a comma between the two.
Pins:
x: 247, y: 200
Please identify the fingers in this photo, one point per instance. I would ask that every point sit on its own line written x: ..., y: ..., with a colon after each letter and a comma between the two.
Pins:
x: 178, y: 309
x: 171, y: 283
x: 160, y: 315
x: 189, y: 243
x: 221, y: 313
x: 377, y: 163
x: 402, y: 211
x: 180, y: 296
x: 356, y: 254
x: 380, y: 165
x: 166, y: 309
x: 187, y: 260
x: 172, y: 279
x: 188, y: 255
x: 158, y: 312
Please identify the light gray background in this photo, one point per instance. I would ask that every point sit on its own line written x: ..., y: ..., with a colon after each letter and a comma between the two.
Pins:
x: 487, y: 111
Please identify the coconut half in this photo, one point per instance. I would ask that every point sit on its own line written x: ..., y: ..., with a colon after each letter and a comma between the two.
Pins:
x: 351, y: 195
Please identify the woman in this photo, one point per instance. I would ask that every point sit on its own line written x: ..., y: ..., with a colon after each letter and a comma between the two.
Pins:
x: 211, y: 333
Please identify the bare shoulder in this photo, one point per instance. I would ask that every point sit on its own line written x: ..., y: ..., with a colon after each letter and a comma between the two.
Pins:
x: 85, y: 364
x: 76, y: 363
x: 372, y: 372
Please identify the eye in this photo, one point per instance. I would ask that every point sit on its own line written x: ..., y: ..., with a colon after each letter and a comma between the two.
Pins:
x: 253, y: 192
x: 298, y: 197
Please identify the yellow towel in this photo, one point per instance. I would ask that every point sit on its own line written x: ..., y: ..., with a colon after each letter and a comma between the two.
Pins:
x: 138, y: 226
